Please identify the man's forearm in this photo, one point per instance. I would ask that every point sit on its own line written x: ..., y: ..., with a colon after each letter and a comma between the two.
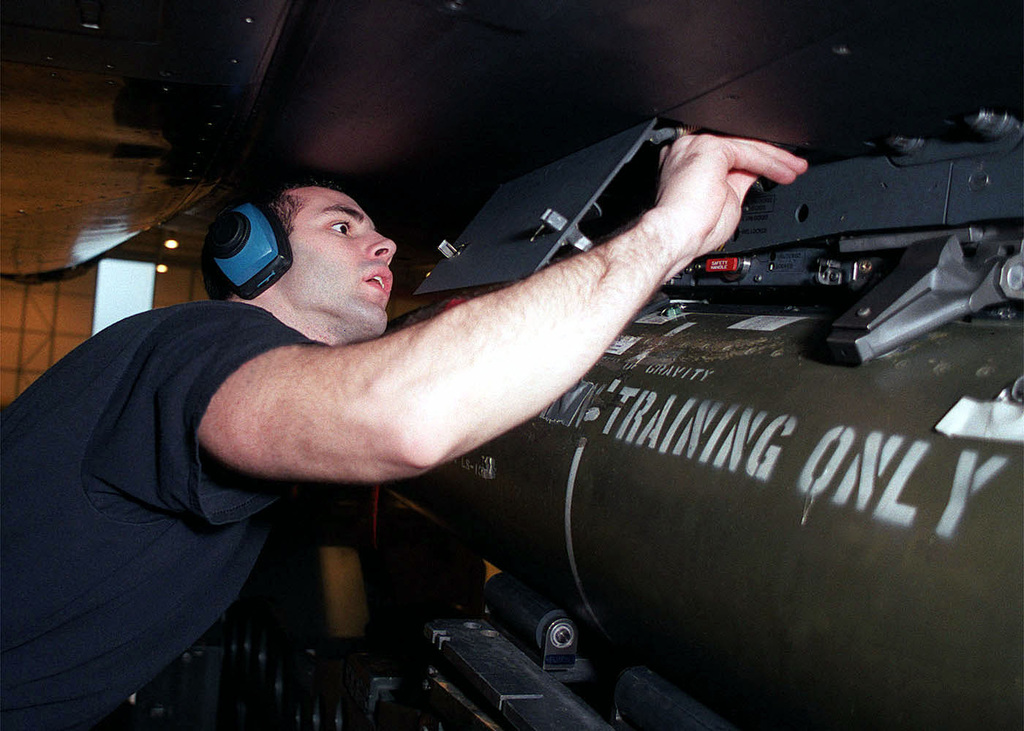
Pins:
x: 511, y: 353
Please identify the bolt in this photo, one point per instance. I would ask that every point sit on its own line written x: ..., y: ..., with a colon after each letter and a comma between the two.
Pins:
x: 903, y: 145
x: 562, y: 635
x: 978, y: 181
x: 1015, y: 277
x: 863, y: 312
x: 992, y: 125
x: 1017, y: 390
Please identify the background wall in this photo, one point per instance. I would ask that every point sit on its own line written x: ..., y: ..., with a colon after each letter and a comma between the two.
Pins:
x: 43, y: 321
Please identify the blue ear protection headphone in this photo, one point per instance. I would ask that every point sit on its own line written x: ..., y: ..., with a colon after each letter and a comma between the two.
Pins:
x: 249, y: 245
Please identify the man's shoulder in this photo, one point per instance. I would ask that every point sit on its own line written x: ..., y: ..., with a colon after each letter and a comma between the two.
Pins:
x: 200, y: 310
x: 174, y: 335
x: 199, y: 317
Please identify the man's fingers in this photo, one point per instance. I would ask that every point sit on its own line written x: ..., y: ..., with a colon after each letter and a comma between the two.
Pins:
x: 759, y: 158
x: 767, y: 160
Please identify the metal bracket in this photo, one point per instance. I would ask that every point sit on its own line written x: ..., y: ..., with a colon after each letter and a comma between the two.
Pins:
x: 526, y: 696
x: 933, y: 284
x: 946, y: 185
x: 503, y: 242
x: 534, y: 620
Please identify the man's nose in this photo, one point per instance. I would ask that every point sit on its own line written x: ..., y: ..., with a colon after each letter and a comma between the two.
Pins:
x: 382, y: 248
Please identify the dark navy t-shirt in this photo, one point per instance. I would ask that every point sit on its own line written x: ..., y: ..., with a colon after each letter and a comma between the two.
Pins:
x: 121, y: 543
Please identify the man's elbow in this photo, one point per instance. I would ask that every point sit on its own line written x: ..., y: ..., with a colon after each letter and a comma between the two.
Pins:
x: 418, y: 447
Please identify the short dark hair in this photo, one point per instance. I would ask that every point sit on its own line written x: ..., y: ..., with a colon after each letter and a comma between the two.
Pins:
x: 279, y: 202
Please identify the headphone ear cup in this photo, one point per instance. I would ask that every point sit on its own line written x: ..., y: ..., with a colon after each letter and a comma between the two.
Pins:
x: 249, y: 246
x: 228, y: 234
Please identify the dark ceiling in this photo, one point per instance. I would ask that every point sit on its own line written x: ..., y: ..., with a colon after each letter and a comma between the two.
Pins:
x: 121, y: 116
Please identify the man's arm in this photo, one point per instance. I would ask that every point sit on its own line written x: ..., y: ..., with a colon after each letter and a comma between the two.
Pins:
x: 399, y: 405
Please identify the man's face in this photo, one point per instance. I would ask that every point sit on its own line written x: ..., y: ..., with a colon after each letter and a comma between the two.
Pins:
x: 339, y: 279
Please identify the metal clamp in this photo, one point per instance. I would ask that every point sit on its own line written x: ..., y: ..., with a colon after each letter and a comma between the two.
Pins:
x: 552, y: 220
x: 449, y: 249
x: 933, y: 284
x: 526, y: 696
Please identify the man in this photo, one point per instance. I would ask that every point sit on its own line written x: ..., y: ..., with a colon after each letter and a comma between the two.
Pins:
x: 135, y: 470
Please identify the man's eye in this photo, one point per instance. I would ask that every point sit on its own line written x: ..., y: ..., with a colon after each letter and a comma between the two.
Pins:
x: 342, y: 228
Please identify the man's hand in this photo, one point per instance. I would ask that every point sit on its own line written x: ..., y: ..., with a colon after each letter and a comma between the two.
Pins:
x: 703, y: 182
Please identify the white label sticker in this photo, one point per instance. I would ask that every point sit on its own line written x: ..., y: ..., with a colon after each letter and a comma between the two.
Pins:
x: 622, y: 344
x: 764, y: 323
x: 680, y: 328
x: 655, y: 319
x: 996, y: 420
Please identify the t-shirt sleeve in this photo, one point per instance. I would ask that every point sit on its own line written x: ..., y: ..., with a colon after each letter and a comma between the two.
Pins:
x: 145, y: 446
